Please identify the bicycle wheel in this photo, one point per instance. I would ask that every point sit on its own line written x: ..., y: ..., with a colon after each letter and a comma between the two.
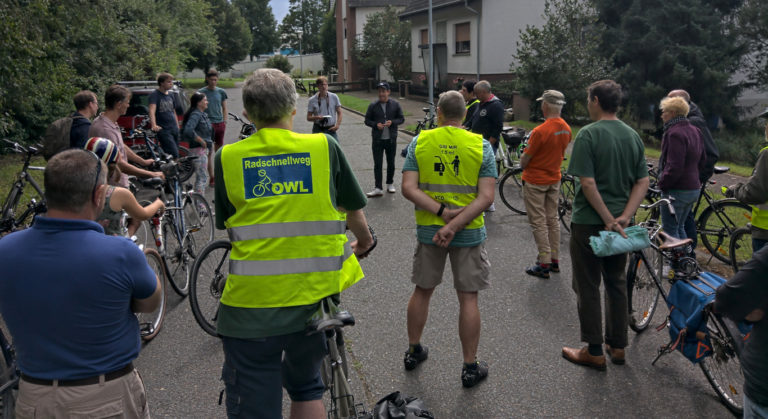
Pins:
x: 565, y: 203
x: 419, y: 127
x: 209, y: 275
x: 718, y: 221
x: 198, y: 220
x: 511, y: 191
x: 8, y: 396
x: 722, y: 368
x: 740, y: 249
x: 149, y: 323
x: 176, y: 256
x: 342, y: 400
x: 642, y: 291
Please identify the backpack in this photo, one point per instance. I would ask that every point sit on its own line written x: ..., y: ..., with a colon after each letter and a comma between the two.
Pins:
x: 397, y: 406
x: 687, y: 321
x: 56, y: 137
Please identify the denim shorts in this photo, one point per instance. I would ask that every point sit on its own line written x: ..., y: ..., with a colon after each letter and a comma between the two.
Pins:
x: 256, y: 370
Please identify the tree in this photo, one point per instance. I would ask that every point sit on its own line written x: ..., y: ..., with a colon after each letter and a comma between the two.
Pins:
x: 279, y: 62
x: 262, y: 23
x: 305, y: 17
x: 562, y: 54
x: 753, y: 29
x: 328, y: 42
x: 386, y: 41
x: 233, y: 38
x: 658, y: 46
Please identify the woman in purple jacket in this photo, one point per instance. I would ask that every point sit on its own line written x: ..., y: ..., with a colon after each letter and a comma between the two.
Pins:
x: 682, y: 156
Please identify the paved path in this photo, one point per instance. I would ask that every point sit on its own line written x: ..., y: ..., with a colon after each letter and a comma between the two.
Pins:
x: 526, y: 321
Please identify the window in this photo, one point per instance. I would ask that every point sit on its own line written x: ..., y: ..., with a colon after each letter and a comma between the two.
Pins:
x: 462, y: 38
x: 424, y: 37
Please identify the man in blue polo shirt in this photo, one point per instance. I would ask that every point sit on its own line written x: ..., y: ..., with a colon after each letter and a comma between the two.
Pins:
x: 68, y: 293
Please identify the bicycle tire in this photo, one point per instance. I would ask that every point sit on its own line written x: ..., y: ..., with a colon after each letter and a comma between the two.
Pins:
x: 176, y: 258
x: 718, y: 221
x: 198, y: 219
x: 150, y: 323
x: 642, y: 290
x: 9, y: 211
x: 8, y: 397
x: 511, y: 191
x: 209, y: 276
x: 740, y: 247
x: 565, y: 203
x: 186, y: 164
x: 722, y: 368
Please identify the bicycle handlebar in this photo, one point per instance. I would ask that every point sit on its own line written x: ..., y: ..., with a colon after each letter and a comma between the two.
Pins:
x: 667, y: 201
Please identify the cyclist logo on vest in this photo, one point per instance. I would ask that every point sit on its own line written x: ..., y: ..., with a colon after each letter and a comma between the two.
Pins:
x: 283, y: 174
x: 455, y: 164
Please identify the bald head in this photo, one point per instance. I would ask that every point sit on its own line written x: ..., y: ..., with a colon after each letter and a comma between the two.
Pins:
x: 680, y: 93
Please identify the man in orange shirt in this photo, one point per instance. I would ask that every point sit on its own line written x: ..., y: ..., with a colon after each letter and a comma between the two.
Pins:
x: 541, y: 176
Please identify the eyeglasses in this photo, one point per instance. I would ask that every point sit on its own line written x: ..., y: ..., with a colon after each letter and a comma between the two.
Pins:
x: 98, y: 173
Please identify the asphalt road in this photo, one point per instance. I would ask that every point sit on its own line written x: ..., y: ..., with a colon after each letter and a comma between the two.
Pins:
x: 525, y: 322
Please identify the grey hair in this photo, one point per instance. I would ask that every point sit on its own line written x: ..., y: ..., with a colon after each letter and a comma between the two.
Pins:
x: 70, y: 178
x: 269, y: 95
x: 483, y: 85
x: 451, y: 105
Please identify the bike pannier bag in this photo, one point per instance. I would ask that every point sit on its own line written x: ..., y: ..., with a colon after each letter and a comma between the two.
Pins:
x: 57, y: 136
x: 687, y: 321
x: 397, y: 406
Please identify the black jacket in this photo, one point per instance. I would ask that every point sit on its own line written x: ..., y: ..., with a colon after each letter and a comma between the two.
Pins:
x: 696, y: 118
x: 488, y: 119
x: 375, y: 115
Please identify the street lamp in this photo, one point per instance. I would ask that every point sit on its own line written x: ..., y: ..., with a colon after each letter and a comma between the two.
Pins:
x: 301, y: 59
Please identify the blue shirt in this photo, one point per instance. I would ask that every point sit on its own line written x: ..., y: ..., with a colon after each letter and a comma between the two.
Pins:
x: 465, y: 237
x: 165, y: 113
x: 65, y: 294
x: 215, y: 98
x: 198, y: 125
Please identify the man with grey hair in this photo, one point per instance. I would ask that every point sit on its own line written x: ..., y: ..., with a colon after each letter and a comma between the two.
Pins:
x: 488, y: 118
x: 68, y: 293
x: 281, y: 196
x: 450, y: 197
x: 541, y: 174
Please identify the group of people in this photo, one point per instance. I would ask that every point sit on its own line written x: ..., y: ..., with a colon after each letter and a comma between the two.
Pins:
x: 277, y: 191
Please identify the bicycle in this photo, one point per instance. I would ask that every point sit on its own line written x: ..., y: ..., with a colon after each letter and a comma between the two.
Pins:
x: 511, y: 145
x: 644, y: 286
x: 9, y: 374
x: 246, y: 128
x: 149, y: 323
x: 149, y: 148
x: 429, y: 121
x: 740, y: 249
x: 12, y: 218
x: 182, y: 230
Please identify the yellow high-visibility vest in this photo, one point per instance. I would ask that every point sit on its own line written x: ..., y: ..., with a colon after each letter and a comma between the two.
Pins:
x: 289, y: 245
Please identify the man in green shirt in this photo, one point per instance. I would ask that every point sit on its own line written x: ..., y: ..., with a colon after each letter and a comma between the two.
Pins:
x: 608, y: 161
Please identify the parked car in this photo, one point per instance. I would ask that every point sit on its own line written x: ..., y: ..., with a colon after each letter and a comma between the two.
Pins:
x: 136, y: 116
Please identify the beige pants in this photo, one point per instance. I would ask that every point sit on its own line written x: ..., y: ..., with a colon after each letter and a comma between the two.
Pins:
x: 122, y: 397
x: 541, y: 205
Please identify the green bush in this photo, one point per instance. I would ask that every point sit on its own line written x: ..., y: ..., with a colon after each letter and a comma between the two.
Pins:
x: 739, y: 146
x: 279, y: 62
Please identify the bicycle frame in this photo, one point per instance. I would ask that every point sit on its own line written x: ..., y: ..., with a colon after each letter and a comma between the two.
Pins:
x: 11, y: 221
x: 11, y: 380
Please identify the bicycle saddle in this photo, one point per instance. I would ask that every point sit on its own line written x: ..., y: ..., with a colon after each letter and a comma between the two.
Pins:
x: 670, y: 242
x: 152, y: 182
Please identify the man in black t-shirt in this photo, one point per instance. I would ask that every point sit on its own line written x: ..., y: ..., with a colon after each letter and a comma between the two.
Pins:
x: 162, y: 115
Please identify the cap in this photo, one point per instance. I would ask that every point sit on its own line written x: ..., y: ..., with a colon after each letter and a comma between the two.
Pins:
x: 103, y: 149
x: 552, y: 96
x: 763, y: 114
x: 383, y: 85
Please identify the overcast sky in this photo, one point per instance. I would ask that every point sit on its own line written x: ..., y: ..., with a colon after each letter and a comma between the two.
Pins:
x: 279, y: 8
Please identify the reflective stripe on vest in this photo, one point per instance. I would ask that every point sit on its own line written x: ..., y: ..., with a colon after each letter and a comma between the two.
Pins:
x: 760, y: 212
x: 289, y: 245
x: 469, y: 105
x: 449, y: 160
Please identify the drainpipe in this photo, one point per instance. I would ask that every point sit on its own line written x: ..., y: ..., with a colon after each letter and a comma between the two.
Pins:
x: 466, y: 6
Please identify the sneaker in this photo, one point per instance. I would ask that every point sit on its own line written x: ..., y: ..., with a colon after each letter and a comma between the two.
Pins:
x: 554, y: 267
x: 390, y: 188
x: 538, y: 270
x: 412, y: 359
x: 374, y: 193
x: 492, y: 208
x: 470, y: 376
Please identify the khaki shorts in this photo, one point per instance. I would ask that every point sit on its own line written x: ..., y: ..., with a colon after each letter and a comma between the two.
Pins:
x: 470, y: 266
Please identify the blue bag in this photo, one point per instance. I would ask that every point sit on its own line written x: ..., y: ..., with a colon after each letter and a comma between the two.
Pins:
x: 687, y: 321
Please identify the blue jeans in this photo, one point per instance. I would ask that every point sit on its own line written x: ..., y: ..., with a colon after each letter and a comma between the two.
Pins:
x: 674, y: 225
x: 753, y: 410
x: 256, y: 370
x: 169, y: 141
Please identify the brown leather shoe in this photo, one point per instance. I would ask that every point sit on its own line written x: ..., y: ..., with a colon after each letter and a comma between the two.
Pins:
x: 616, y: 355
x: 582, y: 357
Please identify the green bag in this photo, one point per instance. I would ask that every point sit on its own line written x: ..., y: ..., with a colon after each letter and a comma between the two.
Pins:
x: 610, y: 243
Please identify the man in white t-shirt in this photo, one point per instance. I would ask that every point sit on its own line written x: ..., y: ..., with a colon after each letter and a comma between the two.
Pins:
x: 324, y: 110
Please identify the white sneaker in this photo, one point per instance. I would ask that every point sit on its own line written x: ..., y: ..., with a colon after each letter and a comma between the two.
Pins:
x: 492, y: 208
x: 390, y: 188
x: 374, y: 193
